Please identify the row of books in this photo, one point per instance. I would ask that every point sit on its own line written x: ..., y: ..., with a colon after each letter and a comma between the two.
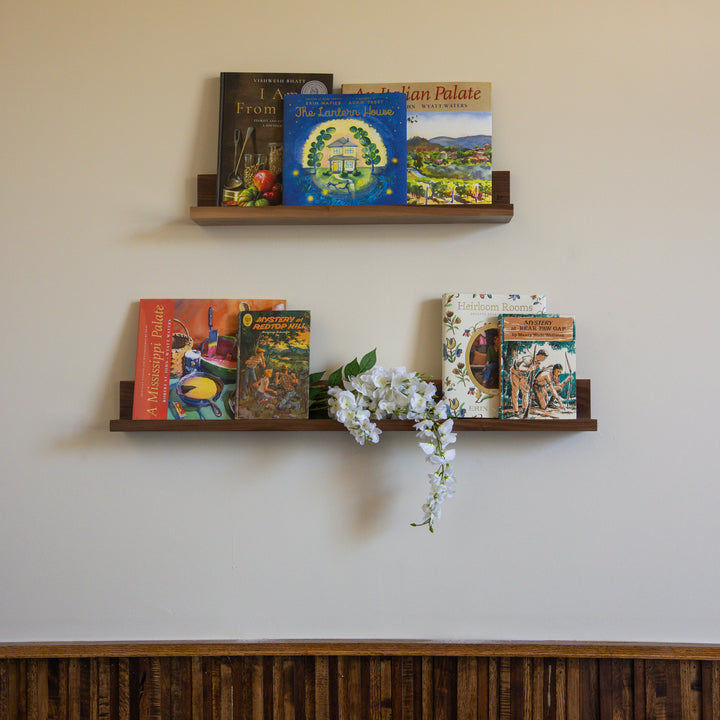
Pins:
x: 221, y: 359
x: 503, y: 356
x: 287, y: 138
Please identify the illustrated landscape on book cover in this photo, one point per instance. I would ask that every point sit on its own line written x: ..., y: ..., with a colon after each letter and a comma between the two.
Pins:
x: 274, y: 365
x: 186, y: 362
x: 251, y: 124
x: 471, y: 348
x: 449, y: 140
x: 345, y: 150
x: 538, y: 367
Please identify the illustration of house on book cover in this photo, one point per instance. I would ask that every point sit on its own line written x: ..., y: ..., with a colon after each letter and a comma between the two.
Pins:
x: 345, y: 150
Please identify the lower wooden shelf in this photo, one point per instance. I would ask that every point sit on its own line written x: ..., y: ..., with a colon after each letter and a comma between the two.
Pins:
x: 125, y: 423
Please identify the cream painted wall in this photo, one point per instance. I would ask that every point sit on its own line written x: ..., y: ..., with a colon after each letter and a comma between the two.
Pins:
x: 606, y: 114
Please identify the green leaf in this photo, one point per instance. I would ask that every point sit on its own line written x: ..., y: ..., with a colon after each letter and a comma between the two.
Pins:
x: 335, y: 378
x: 315, y: 377
x: 352, y: 369
x: 368, y: 361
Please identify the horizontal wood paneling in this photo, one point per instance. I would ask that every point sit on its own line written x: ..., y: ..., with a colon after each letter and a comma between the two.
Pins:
x: 392, y: 686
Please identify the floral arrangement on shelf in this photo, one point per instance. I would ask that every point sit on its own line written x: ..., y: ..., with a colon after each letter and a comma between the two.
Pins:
x: 362, y: 392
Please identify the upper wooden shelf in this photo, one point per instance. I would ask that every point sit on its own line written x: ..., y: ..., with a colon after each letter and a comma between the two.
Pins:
x: 126, y: 424
x: 208, y: 213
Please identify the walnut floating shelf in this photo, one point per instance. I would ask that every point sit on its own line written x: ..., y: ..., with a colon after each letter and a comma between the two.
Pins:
x: 126, y: 424
x: 208, y: 213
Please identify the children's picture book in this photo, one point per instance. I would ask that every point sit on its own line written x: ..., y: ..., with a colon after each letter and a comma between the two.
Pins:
x: 186, y: 363
x: 274, y: 365
x: 538, y: 367
x: 449, y: 140
x: 250, y: 135
x: 345, y: 150
x: 471, y: 348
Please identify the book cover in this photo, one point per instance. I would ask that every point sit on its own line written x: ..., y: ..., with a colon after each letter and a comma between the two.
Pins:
x: 274, y: 365
x: 471, y: 343
x: 186, y: 362
x: 345, y: 150
x: 538, y: 367
x: 251, y: 124
x: 449, y: 140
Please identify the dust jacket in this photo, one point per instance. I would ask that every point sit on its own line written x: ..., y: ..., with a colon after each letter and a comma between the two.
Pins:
x: 538, y: 372
x: 471, y: 348
x: 449, y: 138
x: 251, y: 122
x: 345, y: 150
x: 274, y: 365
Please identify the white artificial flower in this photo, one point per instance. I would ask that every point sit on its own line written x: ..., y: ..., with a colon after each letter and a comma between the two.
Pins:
x: 379, y: 393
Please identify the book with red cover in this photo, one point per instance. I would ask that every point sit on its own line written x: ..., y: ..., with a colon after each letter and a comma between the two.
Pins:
x: 186, y: 363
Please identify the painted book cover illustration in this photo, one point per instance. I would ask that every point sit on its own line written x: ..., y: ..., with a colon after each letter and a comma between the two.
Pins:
x: 538, y: 367
x: 471, y: 348
x: 186, y: 363
x: 250, y: 135
x: 345, y: 150
x: 449, y: 140
x: 274, y: 365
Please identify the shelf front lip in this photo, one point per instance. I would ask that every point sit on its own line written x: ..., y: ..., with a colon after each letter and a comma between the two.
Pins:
x: 327, y: 425
x: 351, y: 214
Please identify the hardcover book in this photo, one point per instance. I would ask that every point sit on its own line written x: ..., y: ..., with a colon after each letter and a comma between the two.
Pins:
x: 274, y: 365
x: 449, y: 140
x: 186, y: 363
x: 251, y: 125
x: 471, y: 348
x: 538, y: 367
x: 345, y: 150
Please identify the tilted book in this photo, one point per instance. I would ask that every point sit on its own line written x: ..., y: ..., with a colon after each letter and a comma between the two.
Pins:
x: 449, y: 140
x: 345, y: 150
x: 471, y: 348
x: 251, y: 123
x: 538, y: 367
x: 274, y: 365
x: 186, y: 362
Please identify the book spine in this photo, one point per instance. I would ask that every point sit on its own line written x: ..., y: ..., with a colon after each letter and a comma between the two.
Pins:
x: 152, y: 364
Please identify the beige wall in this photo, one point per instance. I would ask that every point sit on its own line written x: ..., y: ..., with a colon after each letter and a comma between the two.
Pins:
x: 606, y: 114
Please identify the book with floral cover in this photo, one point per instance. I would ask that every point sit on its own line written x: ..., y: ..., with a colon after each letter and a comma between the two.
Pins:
x: 449, y: 140
x: 537, y: 367
x: 470, y: 363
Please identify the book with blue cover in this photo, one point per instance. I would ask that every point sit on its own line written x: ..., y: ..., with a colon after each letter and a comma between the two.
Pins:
x: 345, y: 149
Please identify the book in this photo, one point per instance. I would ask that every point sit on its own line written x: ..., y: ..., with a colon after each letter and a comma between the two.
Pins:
x: 471, y: 337
x: 251, y: 123
x: 345, y: 150
x: 538, y: 367
x: 186, y: 362
x: 274, y: 365
x: 449, y: 140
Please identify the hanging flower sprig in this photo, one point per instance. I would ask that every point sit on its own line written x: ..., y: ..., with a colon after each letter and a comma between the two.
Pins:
x: 363, y: 392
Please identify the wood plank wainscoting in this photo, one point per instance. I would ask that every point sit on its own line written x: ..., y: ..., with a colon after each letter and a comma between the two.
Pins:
x: 354, y: 680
